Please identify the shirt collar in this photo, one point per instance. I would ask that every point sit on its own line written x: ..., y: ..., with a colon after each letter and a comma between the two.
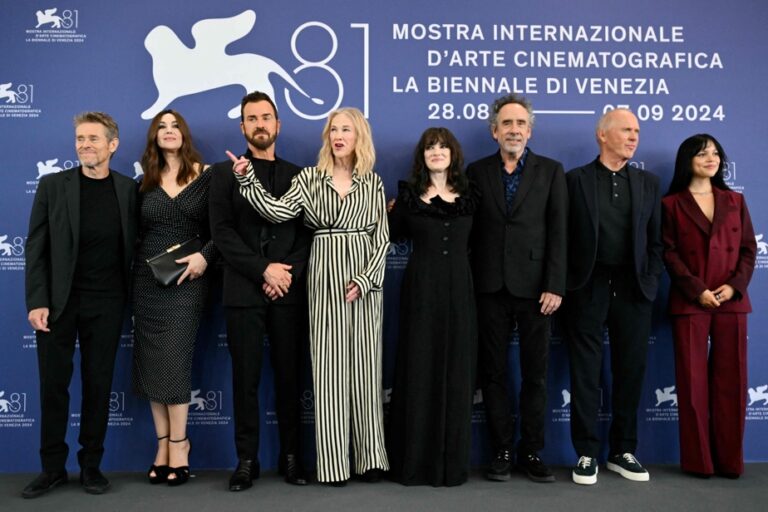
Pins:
x: 604, y: 172
x: 520, y: 163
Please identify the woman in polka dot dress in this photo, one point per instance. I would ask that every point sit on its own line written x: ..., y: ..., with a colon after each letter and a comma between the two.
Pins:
x: 174, y: 208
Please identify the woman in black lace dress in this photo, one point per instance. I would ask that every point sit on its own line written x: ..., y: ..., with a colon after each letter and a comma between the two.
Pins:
x: 174, y: 208
x: 431, y: 409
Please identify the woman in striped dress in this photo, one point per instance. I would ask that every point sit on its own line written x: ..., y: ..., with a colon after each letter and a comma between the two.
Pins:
x: 343, y: 201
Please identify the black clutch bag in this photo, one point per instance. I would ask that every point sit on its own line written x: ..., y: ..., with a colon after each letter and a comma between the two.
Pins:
x: 164, y: 266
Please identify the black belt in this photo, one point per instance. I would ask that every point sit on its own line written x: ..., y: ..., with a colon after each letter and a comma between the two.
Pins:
x: 339, y: 231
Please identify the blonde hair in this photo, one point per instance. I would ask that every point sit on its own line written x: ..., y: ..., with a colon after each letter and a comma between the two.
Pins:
x: 364, y: 156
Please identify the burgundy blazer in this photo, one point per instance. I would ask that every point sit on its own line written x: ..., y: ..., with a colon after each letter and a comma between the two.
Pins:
x: 702, y: 256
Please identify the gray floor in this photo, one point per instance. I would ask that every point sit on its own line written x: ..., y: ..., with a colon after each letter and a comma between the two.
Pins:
x: 668, y: 490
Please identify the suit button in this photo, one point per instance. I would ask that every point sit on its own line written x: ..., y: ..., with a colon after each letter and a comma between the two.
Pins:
x: 445, y: 239
x: 734, y: 229
x: 446, y: 224
x: 274, y: 237
x: 445, y: 253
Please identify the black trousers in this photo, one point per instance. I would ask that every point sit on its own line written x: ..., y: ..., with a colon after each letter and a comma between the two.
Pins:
x: 96, y: 321
x: 611, y: 298
x: 286, y: 326
x: 497, y: 313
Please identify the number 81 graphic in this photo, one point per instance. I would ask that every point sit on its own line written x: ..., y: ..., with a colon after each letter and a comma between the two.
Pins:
x: 322, y: 64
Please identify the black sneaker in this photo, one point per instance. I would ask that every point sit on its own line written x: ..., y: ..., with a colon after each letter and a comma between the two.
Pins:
x: 531, y: 465
x: 500, y: 467
x: 628, y: 466
x: 585, y: 472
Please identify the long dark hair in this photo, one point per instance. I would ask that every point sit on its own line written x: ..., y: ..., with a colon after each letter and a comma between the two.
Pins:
x: 683, y: 164
x: 419, y: 178
x: 153, y: 161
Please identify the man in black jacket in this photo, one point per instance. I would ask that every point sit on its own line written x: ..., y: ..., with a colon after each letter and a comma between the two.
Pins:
x: 82, y: 231
x: 614, y: 263
x: 518, y: 261
x: 264, y: 292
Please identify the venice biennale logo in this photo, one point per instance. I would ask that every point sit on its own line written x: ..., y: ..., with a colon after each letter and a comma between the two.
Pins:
x: 179, y: 70
x: 761, y: 258
x: 7, y: 94
x: 138, y: 172
x: 758, y: 394
x: 48, y: 167
x: 666, y: 395
x: 762, y: 246
x: 48, y: 16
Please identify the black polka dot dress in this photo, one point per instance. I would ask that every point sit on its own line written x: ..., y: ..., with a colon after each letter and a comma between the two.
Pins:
x: 166, y: 319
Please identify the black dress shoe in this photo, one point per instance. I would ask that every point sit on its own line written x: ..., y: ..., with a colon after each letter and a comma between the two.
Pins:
x: 246, y: 472
x: 500, y: 467
x: 44, y: 482
x: 534, y: 468
x: 93, y: 481
x: 294, y: 472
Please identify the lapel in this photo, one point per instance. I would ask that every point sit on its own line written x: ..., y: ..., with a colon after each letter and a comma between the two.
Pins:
x: 721, y: 208
x: 526, y: 180
x: 72, y: 192
x: 588, y: 183
x: 636, y: 188
x: 496, y: 184
x: 689, y: 206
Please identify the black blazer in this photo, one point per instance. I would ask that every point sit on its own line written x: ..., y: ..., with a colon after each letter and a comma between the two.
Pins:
x: 248, y: 242
x: 54, y: 237
x: 583, y: 227
x: 525, y: 252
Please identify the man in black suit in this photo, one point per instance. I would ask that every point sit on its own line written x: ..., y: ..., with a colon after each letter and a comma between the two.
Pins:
x: 264, y: 291
x: 518, y: 262
x: 82, y: 230
x: 614, y: 263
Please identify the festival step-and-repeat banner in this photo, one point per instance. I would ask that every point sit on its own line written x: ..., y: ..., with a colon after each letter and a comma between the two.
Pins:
x: 683, y: 67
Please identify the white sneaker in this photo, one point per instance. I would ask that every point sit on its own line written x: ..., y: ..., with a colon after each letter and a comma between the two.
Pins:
x: 585, y: 472
x: 628, y: 466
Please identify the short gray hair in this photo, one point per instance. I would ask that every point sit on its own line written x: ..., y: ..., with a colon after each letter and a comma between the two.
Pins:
x: 101, y: 118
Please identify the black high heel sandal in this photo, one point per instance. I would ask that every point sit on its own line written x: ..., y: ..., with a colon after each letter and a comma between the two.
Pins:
x: 181, y: 474
x: 160, y: 472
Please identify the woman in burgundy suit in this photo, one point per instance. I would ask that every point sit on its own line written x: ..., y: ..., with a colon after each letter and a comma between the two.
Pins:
x: 710, y: 254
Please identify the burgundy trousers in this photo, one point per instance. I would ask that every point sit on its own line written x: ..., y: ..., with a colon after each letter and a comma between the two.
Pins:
x: 711, y: 390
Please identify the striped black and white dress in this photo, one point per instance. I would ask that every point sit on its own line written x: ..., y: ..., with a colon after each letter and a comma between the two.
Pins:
x: 350, y: 243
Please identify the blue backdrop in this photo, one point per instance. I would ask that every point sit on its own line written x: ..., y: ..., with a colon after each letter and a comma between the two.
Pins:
x: 683, y: 67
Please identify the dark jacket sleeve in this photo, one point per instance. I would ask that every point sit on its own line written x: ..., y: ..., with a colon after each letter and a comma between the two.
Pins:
x: 557, y: 234
x: 747, y: 253
x: 37, y: 252
x: 223, y: 227
x: 209, y: 251
x: 655, y: 245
